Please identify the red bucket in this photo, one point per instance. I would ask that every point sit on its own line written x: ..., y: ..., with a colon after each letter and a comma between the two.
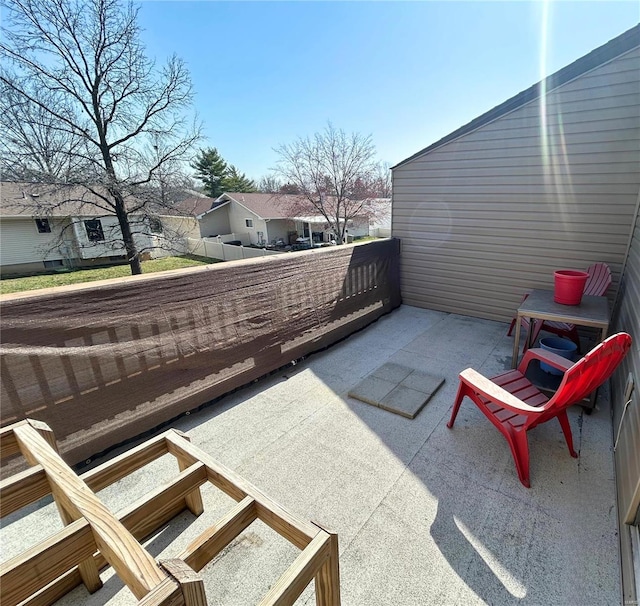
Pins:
x: 569, y: 286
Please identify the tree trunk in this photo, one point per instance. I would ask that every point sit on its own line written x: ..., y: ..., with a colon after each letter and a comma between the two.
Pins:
x: 127, y: 236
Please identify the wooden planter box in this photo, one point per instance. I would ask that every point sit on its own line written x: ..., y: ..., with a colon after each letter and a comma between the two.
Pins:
x: 94, y: 537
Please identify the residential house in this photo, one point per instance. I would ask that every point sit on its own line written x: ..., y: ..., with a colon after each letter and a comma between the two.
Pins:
x: 548, y: 179
x: 271, y: 218
x: 43, y: 227
x: 266, y: 218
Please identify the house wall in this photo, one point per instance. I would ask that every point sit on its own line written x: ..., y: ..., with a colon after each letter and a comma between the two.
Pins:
x: 237, y: 217
x: 215, y: 223
x: 358, y: 227
x: 173, y: 240
x: 493, y: 213
x: 627, y: 429
x: 111, y: 246
x: 23, y: 248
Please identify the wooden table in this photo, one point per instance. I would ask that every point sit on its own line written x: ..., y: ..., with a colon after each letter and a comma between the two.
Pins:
x: 539, y: 305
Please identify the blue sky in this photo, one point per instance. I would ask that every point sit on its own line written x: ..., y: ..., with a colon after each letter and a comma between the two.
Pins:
x: 407, y: 73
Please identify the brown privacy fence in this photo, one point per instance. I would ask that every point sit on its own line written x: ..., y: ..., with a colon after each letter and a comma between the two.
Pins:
x: 101, y: 364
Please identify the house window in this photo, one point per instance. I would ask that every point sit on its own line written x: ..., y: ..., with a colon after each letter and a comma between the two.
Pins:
x: 53, y: 264
x: 94, y: 230
x: 155, y: 225
x: 43, y: 225
x: 248, y: 222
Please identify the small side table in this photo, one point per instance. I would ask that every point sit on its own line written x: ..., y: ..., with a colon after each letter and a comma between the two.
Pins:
x: 539, y: 305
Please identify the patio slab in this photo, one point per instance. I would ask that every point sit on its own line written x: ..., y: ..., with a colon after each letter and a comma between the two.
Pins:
x: 398, y: 389
x: 425, y: 515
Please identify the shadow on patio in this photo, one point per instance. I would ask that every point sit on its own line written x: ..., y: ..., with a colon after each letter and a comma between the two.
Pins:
x: 425, y: 515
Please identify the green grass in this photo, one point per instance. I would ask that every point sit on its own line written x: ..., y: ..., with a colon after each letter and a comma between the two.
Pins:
x: 62, y: 278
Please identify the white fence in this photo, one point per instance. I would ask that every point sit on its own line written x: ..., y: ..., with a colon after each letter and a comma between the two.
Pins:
x: 214, y: 249
x: 380, y: 232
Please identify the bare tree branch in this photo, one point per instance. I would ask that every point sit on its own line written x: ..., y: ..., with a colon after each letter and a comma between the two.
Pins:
x: 325, y: 169
x: 99, y: 112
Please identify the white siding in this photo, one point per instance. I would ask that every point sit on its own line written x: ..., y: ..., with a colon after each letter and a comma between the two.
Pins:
x: 172, y: 241
x: 494, y: 212
x: 20, y: 242
x: 111, y: 246
x: 237, y: 221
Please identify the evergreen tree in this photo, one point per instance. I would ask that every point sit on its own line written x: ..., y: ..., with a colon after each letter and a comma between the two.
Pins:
x: 238, y: 182
x: 218, y: 176
x: 211, y: 169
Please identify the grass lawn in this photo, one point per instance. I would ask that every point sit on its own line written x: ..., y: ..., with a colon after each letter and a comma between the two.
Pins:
x: 62, y: 278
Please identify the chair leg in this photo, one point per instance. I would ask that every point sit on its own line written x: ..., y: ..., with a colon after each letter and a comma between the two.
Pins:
x: 511, y: 327
x: 462, y: 392
x: 520, y: 450
x: 566, y: 430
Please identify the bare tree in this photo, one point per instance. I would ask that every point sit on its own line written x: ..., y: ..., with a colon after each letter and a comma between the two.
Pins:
x: 86, y: 55
x: 325, y: 169
x: 32, y: 148
x: 269, y: 185
x: 381, y: 181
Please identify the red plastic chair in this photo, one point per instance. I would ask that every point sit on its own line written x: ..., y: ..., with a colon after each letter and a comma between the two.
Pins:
x: 514, y: 405
x: 597, y: 284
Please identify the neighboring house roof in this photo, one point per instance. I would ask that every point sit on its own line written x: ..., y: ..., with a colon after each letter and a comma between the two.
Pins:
x: 605, y: 53
x: 19, y: 199
x: 287, y: 206
x: 196, y: 205
x: 269, y: 206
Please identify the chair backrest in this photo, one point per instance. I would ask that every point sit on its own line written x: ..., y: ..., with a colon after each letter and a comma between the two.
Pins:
x: 599, y: 279
x: 591, y: 371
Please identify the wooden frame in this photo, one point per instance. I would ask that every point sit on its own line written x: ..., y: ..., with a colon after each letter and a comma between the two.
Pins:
x: 94, y: 537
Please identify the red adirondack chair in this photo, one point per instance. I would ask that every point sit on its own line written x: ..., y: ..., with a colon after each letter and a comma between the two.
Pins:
x: 514, y: 405
x: 597, y: 284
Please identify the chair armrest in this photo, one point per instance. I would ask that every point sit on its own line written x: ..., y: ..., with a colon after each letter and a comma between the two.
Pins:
x: 495, y: 393
x: 543, y: 355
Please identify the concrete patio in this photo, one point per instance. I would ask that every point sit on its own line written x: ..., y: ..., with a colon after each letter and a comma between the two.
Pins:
x: 424, y: 514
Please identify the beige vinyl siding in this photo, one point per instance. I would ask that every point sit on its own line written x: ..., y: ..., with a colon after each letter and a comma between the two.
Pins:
x: 493, y: 213
x: 21, y: 243
x: 627, y: 455
x: 173, y: 239
x: 183, y: 227
x: 215, y: 223
x: 279, y: 228
x: 238, y: 214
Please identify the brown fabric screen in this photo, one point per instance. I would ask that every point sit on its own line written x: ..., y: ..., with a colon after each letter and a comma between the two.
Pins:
x: 103, y: 363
